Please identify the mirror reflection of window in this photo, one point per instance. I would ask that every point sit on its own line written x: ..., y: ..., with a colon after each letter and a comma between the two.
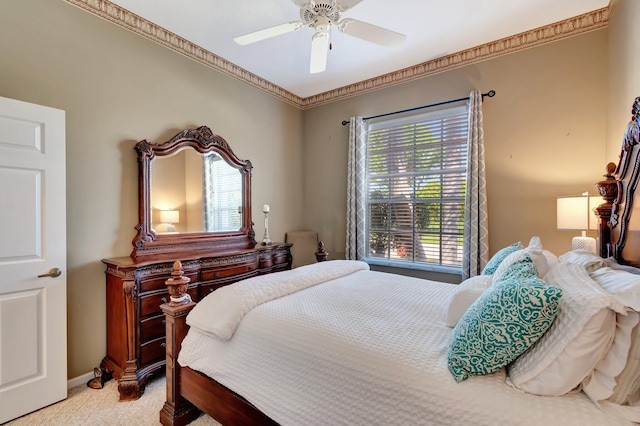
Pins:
x: 222, y: 194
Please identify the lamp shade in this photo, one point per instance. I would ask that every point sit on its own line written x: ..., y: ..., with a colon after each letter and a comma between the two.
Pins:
x: 577, y: 213
x: 573, y: 213
x: 169, y: 216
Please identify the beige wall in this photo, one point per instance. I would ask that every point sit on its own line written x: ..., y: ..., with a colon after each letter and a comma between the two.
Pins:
x: 544, y: 136
x: 118, y: 88
x: 624, y: 71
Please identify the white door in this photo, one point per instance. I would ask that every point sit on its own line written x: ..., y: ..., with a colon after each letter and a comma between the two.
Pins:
x: 33, y: 311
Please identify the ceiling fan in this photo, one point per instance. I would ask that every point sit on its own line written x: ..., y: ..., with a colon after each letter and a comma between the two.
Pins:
x: 322, y: 15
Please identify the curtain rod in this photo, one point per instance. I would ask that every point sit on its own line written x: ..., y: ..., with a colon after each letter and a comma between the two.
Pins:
x: 490, y: 93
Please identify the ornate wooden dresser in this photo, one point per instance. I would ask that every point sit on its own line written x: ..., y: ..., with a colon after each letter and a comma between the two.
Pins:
x: 135, y: 291
x: 197, y: 177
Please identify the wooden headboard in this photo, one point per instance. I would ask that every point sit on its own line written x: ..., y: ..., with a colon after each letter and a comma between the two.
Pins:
x: 618, y: 232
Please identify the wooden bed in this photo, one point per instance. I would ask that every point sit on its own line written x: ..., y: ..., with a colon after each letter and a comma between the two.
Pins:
x: 189, y: 392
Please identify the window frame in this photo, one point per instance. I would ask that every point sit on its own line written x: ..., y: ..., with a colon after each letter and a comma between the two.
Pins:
x: 456, y: 113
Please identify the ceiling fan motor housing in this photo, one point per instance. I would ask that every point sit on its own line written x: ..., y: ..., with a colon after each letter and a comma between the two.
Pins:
x: 320, y: 15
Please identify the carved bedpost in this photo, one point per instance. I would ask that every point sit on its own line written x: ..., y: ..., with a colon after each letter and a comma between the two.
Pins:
x: 608, y: 189
x: 619, y: 188
x: 321, y: 254
x: 177, y: 286
x: 176, y: 410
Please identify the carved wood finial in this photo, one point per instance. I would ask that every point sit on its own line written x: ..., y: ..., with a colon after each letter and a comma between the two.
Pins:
x: 608, y: 188
x: 321, y: 254
x: 177, y: 286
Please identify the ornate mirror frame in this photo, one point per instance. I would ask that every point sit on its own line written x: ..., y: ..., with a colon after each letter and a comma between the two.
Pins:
x: 147, y: 244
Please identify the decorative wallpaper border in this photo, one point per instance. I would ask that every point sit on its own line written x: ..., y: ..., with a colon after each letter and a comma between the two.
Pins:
x: 570, y: 27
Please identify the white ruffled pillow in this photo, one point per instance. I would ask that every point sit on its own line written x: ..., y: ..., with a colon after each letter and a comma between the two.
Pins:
x: 616, y: 378
x: 627, y: 387
x: 464, y: 295
x: 589, y: 261
x: 578, y: 339
x: 622, y: 285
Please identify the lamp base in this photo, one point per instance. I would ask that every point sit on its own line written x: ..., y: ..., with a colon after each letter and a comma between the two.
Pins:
x: 584, y: 243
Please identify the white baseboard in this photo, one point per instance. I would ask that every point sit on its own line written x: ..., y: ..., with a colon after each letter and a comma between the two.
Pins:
x: 80, y: 380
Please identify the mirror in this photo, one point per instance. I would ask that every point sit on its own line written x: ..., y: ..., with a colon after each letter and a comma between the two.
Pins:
x: 194, y: 197
x: 194, y: 192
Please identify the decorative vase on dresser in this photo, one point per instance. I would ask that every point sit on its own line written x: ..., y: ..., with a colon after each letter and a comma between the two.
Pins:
x: 216, y: 246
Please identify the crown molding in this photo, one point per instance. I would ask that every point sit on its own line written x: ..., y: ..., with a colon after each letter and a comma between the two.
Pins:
x: 568, y: 28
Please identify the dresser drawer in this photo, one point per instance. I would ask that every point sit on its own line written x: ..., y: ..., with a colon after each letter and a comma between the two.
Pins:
x: 208, y: 287
x: 150, y: 303
x: 158, y: 282
x: 152, y: 351
x: 230, y: 271
x: 152, y: 328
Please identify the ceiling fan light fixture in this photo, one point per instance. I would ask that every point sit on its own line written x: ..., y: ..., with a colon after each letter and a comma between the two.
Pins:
x: 268, y: 33
x: 319, y: 51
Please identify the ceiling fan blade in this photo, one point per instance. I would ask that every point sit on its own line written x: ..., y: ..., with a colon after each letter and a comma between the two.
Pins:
x: 319, y: 51
x: 370, y: 32
x: 347, y: 4
x: 301, y: 3
x: 268, y: 33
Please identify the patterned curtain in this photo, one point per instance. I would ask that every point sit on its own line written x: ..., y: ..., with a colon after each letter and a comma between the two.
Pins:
x: 356, y: 172
x: 476, y: 230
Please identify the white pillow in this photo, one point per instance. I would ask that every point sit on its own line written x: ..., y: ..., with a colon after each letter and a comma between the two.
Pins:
x: 541, y: 258
x: 579, y: 337
x: 464, y: 295
x: 616, y: 377
x: 622, y: 285
x: 536, y: 256
x: 552, y: 259
x: 627, y: 389
x: 535, y: 243
x: 587, y: 260
x: 613, y: 264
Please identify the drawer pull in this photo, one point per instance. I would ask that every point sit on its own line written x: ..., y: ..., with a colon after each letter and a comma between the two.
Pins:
x: 211, y: 290
x: 163, y: 300
x: 163, y: 345
x: 217, y: 274
x: 164, y: 321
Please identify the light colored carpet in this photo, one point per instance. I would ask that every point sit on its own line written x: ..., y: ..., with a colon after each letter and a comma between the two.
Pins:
x: 86, y: 406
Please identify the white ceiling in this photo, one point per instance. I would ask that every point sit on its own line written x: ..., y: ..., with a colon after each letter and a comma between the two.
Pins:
x: 434, y: 28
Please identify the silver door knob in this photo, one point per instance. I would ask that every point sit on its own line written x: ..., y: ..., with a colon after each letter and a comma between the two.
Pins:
x: 53, y: 272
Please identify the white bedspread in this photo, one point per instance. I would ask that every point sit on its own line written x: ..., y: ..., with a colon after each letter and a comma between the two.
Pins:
x: 231, y: 303
x: 368, y: 348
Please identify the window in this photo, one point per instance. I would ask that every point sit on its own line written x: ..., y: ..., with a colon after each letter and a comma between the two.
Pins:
x: 222, y: 195
x: 416, y: 177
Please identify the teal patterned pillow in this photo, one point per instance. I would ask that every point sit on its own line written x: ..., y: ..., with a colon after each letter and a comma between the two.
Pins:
x: 493, y: 264
x: 503, y: 323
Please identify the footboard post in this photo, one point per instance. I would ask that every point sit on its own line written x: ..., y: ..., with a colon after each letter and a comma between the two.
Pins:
x: 176, y: 410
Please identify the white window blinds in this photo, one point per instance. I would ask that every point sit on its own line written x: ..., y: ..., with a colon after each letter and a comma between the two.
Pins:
x: 416, y: 181
x: 222, y: 194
